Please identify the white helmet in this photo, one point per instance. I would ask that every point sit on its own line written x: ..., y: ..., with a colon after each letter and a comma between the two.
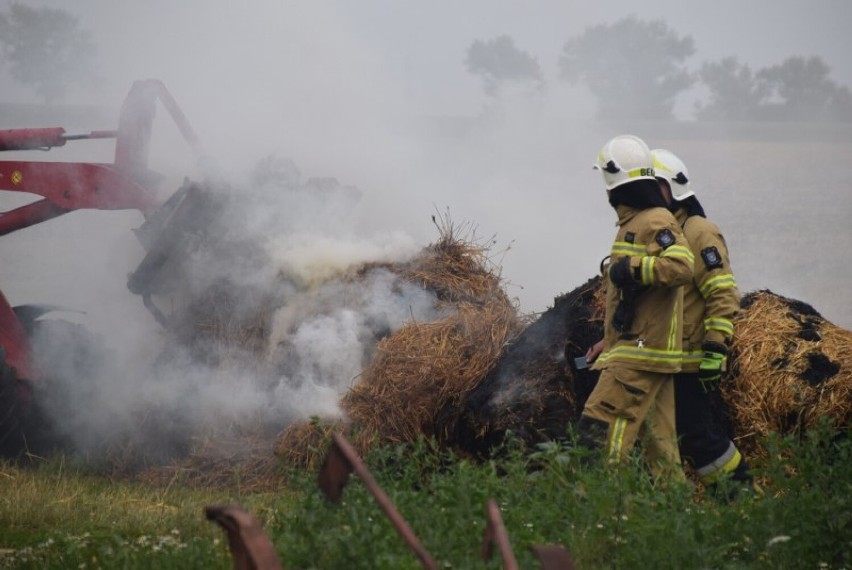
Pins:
x: 672, y: 169
x: 624, y: 159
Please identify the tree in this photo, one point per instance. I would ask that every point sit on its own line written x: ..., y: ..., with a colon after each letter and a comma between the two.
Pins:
x: 800, y: 90
x: 633, y: 67
x: 498, y: 62
x: 735, y: 92
x: 46, y: 50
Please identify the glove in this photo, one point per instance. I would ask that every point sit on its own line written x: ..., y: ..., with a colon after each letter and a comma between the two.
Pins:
x: 622, y: 319
x: 620, y: 273
x: 712, y: 364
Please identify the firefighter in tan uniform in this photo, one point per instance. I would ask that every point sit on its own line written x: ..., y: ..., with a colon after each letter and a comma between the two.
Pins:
x: 641, y: 349
x: 710, y: 303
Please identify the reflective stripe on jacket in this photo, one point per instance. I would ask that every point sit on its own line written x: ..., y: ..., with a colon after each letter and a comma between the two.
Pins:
x: 712, y: 300
x: 661, y: 260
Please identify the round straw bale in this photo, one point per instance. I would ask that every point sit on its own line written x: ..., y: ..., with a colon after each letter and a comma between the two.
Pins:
x: 531, y: 392
x: 789, y: 367
x: 425, y: 366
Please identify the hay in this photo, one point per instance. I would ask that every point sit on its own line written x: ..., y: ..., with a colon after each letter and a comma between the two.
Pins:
x: 242, y: 461
x: 584, y: 309
x: 304, y: 445
x: 531, y: 391
x: 482, y: 371
x: 425, y: 367
x: 224, y: 323
x: 789, y: 368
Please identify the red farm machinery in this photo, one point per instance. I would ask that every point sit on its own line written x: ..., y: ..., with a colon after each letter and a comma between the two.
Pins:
x: 126, y: 183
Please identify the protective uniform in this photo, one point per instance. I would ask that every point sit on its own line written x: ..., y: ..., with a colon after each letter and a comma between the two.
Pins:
x: 711, y: 301
x: 649, y: 262
x: 710, y: 304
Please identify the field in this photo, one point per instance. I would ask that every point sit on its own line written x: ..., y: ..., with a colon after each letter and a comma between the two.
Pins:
x: 55, y: 515
x: 779, y: 193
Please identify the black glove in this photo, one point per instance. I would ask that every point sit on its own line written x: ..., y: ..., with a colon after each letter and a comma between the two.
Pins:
x: 622, y: 319
x: 712, y: 364
x: 620, y: 273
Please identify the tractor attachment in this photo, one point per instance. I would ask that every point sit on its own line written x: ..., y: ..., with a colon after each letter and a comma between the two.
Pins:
x: 126, y: 183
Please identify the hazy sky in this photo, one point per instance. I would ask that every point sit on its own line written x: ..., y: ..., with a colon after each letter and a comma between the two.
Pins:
x: 415, y: 50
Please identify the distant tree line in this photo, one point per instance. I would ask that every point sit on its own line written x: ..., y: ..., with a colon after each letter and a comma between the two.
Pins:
x: 636, y: 68
x: 499, y: 62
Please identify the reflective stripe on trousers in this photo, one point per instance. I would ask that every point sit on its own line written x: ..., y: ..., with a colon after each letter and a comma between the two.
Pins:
x: 726, y: 463
x: 616, y: 440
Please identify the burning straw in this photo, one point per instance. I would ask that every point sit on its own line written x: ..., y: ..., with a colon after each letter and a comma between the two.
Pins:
x: 424, y: 366
x: 790, y: 367
x: 531, y: 392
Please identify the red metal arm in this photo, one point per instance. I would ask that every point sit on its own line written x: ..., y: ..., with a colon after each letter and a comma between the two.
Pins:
x: 127, y: 183
x: 14, y: 341
x: 67, y: 186
x: 27, y: 139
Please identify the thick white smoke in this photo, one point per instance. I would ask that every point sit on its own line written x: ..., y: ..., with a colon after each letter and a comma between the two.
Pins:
x: 372, y: 95
x: 280, y: 250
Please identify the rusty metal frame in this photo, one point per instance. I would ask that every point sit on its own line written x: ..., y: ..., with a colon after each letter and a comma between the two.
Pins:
x: 252, y: 550
x: 341, y: 461
x: 495, y: 532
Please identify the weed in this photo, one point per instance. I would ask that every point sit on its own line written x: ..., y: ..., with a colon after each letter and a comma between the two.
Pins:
x: 57, y: 516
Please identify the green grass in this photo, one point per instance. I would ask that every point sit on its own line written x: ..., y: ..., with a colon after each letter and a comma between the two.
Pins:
x: 53, y: 516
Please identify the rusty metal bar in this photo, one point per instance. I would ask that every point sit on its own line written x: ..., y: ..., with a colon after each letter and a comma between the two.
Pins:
x: 250, y: 548
x: 495, y: 532
x: 341, y: 460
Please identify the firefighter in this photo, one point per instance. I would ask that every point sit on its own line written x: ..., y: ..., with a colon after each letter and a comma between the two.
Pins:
x: 641, y: 349
x: 710, y: 302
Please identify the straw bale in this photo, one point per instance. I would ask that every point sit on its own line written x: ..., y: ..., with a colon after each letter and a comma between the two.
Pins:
x: 789, y: 367
x: 425, y: 367
x: 456, y: 270
x: 531, y: 391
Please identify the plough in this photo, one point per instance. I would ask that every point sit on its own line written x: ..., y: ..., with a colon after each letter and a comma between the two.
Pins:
x: 252, y: 550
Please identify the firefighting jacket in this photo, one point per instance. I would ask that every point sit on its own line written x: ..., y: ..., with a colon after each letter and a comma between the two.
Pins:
x: 712, y: 300
x: 661, y: 261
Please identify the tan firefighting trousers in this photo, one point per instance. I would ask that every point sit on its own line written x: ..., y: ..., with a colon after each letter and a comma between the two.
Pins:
x: 634, y: 403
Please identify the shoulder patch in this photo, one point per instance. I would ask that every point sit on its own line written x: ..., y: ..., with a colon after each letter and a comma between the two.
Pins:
x: 630, y: 237
x: 665, y: 238
x: 711, y: 257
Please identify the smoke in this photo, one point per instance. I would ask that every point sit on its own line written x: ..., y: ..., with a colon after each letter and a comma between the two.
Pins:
x: 334, y: 132
x: 271, y: 305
